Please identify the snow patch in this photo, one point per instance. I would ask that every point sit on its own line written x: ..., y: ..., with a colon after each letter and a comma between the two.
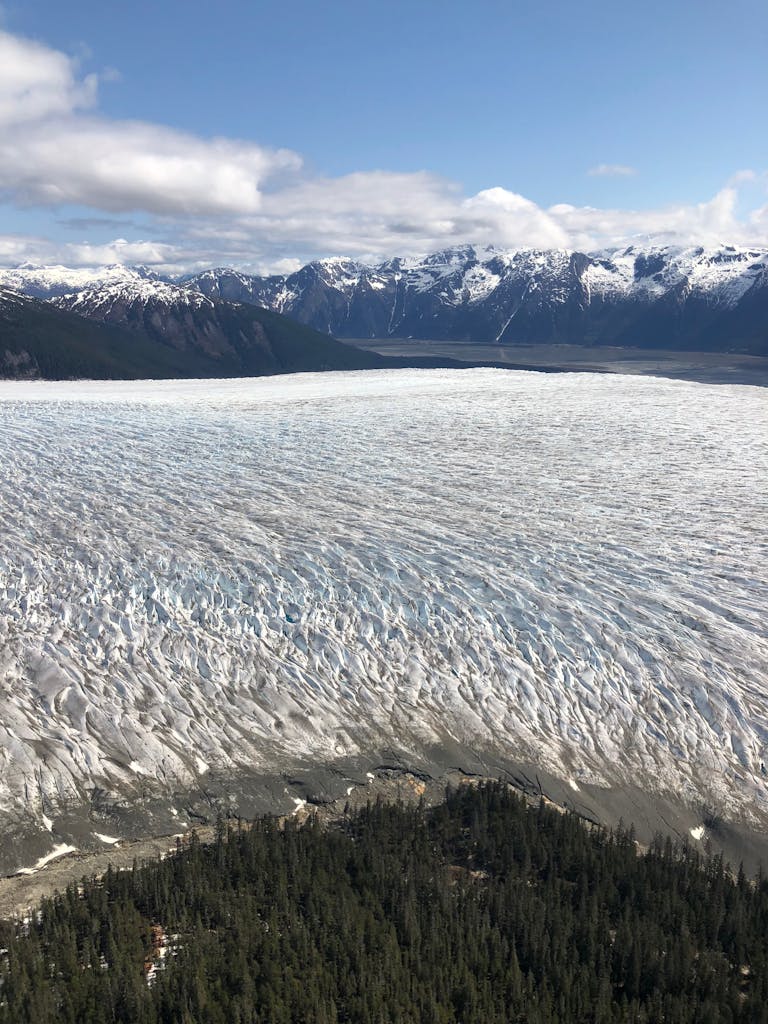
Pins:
x: 58, y: 851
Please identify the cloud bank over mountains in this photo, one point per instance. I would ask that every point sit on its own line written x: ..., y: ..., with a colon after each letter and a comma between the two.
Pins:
x: 200, y: 201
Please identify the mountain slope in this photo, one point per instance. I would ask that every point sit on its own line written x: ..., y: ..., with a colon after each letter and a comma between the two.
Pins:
x: 136, y: 327
x: 38, y: 340
x: 484, y: 909
x: 233, y: 339
x: 655, y: 297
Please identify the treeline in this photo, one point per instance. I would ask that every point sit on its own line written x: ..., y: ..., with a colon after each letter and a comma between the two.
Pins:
x: 483, y: 910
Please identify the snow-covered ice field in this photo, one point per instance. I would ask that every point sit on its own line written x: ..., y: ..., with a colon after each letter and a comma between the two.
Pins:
x: 211, y: 576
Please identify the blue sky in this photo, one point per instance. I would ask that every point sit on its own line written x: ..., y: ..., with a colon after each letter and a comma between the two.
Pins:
x: 375, y: 128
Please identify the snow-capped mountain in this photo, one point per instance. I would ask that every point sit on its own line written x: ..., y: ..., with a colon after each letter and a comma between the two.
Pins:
x: 210, y: 590
x: 237, y: 337
x: 669, y: 297
x: 653, y: 297
x: 46, y: 282
x: 127, y: 323
x: 38, y: 340
x: 176, y: 316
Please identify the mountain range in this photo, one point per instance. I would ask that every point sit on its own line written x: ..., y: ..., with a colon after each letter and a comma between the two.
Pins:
x: 224, y: 322
x: 667, y: 298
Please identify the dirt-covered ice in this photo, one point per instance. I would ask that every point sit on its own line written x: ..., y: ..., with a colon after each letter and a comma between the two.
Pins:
x: 226, y: 576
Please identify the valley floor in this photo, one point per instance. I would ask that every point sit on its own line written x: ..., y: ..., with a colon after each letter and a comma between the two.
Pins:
x: 705, y: 367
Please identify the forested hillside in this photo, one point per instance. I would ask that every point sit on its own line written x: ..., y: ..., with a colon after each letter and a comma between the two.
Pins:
x: 156, y: 340
x: 482, y: 910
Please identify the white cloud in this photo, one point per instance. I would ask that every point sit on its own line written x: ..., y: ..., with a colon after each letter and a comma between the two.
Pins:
x: 496, y: 216
x: 301, y: 223
x: 371, y: 213
x: 758, y: 220
x: 612, y: 171
x: 121, y: 251
x: 51, y: 153
x: 742, y: 177
x: 286, y: 266
x: 709, y: 223
x: 16, y: 249
x: 124, y: 166
x: 227, y: 201
x: 37, y: 82
x: 376, y: 216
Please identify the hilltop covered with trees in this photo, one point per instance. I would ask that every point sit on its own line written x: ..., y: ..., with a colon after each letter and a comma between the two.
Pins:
x: 483, y: 910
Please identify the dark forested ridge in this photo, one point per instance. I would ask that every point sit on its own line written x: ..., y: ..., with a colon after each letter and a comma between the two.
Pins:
x: 481, y: 910
x: 38, y: 340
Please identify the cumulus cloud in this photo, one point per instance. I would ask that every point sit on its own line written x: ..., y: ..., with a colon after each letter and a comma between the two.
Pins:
x: 122, y: 251
x: 293, y: 226
x: 497, y: 216
x: 164, y: 257
x: 16, y: 249
x: 612, y: 171
x: 372, y: 213
x: 52, y: 152
x: 743, y: 177
x: 135, y: 166
x: 228, y: 201
x: 376, y: 216
x: 709, y: 223
x: 37, y: 82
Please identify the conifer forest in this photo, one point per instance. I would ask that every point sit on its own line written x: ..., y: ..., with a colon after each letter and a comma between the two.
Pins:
x: 483, y: 910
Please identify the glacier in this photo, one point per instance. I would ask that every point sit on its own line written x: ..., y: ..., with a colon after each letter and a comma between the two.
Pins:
x: 201, y: 579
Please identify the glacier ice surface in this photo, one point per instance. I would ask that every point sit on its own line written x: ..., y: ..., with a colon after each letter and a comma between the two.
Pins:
x: 217, y: 575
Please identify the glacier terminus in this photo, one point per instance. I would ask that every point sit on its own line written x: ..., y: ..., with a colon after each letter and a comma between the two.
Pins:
x: 207, y: 583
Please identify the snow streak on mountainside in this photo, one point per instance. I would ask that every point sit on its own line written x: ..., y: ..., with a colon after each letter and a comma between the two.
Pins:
x: 202, y: 578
